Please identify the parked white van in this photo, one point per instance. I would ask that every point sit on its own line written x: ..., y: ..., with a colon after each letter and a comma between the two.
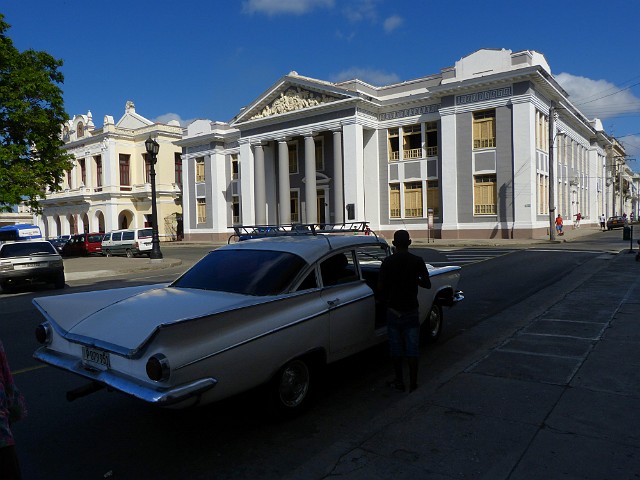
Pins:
x: 131, y: 242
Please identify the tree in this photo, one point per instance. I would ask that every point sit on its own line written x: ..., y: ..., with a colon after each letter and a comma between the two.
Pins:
x: 31, y: 117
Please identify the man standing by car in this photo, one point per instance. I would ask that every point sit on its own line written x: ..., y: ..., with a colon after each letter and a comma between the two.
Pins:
x: 400, y: 276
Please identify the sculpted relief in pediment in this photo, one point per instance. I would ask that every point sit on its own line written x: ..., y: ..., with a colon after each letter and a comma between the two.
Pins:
x: 293, y: 99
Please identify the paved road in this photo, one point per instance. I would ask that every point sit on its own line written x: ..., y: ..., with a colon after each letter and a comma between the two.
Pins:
x: 544, y: 387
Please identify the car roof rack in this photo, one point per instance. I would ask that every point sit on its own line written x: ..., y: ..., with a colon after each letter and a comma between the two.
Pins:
x: 247, y: 232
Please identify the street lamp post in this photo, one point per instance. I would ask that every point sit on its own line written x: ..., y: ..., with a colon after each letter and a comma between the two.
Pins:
x: 552, y: 177
x: 152, y: 150
x: 552, y: 168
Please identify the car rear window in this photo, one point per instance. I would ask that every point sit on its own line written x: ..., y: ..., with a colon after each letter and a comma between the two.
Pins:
x: 249, y: 272
x: 145, y: 233
x: 26, y: 248
x: 95, y: 238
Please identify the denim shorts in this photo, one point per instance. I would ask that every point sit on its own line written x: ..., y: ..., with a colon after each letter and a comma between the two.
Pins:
x: 403, y: 330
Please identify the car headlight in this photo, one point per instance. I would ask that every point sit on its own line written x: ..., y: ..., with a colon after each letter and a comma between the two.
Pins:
x: 44, y: 333
x: 158, y: 368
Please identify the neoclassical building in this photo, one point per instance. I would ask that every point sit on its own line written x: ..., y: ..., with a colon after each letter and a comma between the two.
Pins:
x: 463, y: 153
x: 109, y: 187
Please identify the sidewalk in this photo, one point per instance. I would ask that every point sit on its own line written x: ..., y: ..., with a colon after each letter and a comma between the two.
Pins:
x: 546, y: 389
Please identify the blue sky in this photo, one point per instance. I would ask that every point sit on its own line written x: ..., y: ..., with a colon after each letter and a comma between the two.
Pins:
x: 209, y: 58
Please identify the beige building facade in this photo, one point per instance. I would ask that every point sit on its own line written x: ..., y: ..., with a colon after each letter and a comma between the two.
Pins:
x: 109, y: 186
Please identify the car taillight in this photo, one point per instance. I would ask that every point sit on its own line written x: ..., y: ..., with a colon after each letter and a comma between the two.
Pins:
x: 44, y: 333
x: 135, y: 244
x: 158, y: 368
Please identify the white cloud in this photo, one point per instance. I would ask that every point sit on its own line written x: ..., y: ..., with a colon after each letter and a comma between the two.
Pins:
x: 167, y: 117
x: 283, y: 7
x: 371, y: 76
x: 631, y: 145
x: 393, y: 22
x: 360, y: 10
x: 598, y: 98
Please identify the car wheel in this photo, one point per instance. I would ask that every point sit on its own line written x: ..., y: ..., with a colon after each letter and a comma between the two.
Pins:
x: 59, y: 282
x: 291, y: 386
x: 129, y: 253
x: 107, y: 253
x: 432, y: 326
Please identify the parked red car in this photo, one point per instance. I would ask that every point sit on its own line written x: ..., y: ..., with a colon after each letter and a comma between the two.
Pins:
x: 83, y: 244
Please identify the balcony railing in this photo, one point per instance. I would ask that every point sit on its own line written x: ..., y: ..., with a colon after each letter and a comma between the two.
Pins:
x: 412, y: 153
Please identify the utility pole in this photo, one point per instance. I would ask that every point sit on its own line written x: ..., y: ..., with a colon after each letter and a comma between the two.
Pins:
x: 620, y: 189
x: 552, y: 181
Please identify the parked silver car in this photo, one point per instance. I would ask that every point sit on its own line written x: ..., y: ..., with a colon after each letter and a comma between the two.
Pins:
x: 261, y: 311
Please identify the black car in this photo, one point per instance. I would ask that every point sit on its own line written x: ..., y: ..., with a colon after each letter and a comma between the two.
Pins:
x: 59, y: 243
x: 616, y: 222
x: 30, y: 261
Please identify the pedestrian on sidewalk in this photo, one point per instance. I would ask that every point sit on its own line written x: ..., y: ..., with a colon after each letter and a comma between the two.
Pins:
x: 559, y: 224
x: 603, y: 222
x: 12, y: 409
x: 400, y: 276
x: 576, y: 223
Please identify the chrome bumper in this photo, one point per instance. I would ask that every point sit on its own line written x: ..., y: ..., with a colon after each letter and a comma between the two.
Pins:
x: 130, y: 386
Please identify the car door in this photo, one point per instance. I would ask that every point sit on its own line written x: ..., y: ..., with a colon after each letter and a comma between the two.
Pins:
x: 351, y: 305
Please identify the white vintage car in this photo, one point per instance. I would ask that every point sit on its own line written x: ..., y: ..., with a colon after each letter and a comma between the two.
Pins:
x: 261, y: 311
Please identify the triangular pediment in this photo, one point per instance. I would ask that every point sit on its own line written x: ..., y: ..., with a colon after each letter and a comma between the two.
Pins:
x: 290, y: 94
x: 131, y: 119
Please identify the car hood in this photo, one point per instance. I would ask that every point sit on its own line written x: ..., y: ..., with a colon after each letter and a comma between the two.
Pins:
x: 123, y: 319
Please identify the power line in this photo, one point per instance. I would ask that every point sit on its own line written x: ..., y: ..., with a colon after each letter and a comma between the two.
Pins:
x: 611, y: 88
x: 609, y: 95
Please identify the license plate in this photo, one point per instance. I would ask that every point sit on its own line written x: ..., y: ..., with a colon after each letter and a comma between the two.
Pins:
x: 96, y: 357
x: 30, y: 265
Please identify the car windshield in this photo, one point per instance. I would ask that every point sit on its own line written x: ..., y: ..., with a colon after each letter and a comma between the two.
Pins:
x: 248, y: 272
x: 23, y: 249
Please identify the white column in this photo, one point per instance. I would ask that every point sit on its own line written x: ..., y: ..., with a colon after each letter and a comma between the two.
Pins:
x: 311, y: 194
x: 525, y: 184
x: 338, y: 185
x: 449, y: 174
x: 284, y: 185
x: 218, y: 206
x: 247, y: 204
x: 260, y: 186
x: 110, y: 180
x: 354, y: 170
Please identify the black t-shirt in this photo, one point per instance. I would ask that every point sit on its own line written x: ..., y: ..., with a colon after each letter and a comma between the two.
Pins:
x: 400, y: 276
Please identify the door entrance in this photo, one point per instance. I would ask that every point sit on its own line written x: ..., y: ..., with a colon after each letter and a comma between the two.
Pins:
x: 321, y: 206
